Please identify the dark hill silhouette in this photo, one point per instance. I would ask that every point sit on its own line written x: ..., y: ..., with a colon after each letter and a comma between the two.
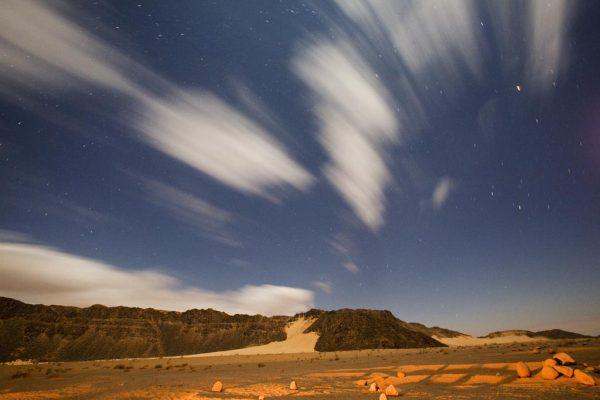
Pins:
x: 347, y: 329
x: 550, y: 334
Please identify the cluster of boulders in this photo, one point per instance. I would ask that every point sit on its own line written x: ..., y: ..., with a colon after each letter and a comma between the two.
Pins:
x: 382, y: 383
x: 556, y: 366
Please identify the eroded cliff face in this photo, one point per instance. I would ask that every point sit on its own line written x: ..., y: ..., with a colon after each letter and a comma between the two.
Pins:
x: 59, y: 333
x: 69, y: 333
x: 348, y: 329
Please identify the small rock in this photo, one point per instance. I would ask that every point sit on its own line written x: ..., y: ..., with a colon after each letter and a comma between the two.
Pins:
x: 584, y: 378
x: 400, y: 374
x: 551, y: 350
x: 536, y: 351
x: 549, y: 373
x: 549, y: 362
x: 566, y: 371
x: 590, y: 369
x: 261, y: 397
x: 217, y: 387
x: 293, y: 386
x: 382, y: 396
x: 523, y: 370
x: 391, y: 391
x: 373, y: 387
x: 564, y: 358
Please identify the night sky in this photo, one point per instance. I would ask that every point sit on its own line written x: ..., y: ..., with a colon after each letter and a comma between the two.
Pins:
x: 437, y: 159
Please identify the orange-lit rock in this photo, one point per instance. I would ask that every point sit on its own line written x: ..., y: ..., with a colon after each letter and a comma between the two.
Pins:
x: 217, y: 387
x: 549, y: 373
x: 566, y: 371
x: 584, y: 378
x: 523, y: 370
x: 293, y: 386
x: 550, y: 362
x: 391, y: 391
x: 564, y: 358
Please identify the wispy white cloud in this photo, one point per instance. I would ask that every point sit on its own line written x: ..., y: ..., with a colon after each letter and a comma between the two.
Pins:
x: 352, y: 267
x: 209, y: 220
x: 40, y: 46
x: 211, y: 136
x: 7, y: 235
x: 325, y: 287
x: 441, y: 192
x: 357, y: 124
x: 39, y: 274
x: 547, y: 40
x: 437, y: 38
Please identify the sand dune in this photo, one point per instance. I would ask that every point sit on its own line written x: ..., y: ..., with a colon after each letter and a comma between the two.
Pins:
x: 296, y: 342
x: 475, y: 341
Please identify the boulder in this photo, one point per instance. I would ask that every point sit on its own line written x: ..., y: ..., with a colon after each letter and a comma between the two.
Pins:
x: 523, y: 370
x: 584, y: 378
x: 217, y: 387
x: 549, y: 373
x: 373, y: 387
x: 549, y: 362
x: 382, y: 396
x: 564, y: 358
x: 566, y: 371
x: 391, y: 391
x: 293, y: 386
x: 361, y: 382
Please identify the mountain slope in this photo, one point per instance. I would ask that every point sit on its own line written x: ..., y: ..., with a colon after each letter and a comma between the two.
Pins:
x: 98, y: 332
x: 550, y: 334
x: 347, y: 329
x: 433, y: 331
x: 60, y: 333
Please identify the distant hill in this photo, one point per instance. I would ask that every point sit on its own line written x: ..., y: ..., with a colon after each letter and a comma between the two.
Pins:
x: 98, y: 332
x: 61, y: 333
x: 347, y: 329
x: 550, y: 334
x: 560, y: 334
x: 433, y: 331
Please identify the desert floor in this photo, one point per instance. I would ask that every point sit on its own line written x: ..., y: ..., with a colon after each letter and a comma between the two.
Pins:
x: 484, y: 372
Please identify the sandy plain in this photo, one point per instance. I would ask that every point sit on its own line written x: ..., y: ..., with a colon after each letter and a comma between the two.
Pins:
x: 479, y: 372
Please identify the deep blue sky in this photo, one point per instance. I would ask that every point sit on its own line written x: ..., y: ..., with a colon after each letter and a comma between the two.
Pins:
x: 479, y: 125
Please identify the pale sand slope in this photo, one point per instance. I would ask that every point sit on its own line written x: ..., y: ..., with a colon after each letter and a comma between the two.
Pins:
x: 296, y: 342
x: 475, y: 341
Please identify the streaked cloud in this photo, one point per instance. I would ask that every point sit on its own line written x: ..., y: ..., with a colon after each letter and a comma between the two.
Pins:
x: 209, y: 135
x: 547, y: 41
x: 437, y: 38
x: 325, y: 287
x: 38, y: 274
x: 40, y: 46
x: 357, y: 124
x: 209, y: 220
x: 441, y: 192
x: 352, y: 267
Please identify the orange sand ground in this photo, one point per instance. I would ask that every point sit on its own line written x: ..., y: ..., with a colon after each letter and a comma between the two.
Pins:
x: 458, y: 373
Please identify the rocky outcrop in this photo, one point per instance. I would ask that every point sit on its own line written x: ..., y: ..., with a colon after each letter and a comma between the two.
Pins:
x: 53, y: 333
x: 347, y: 329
